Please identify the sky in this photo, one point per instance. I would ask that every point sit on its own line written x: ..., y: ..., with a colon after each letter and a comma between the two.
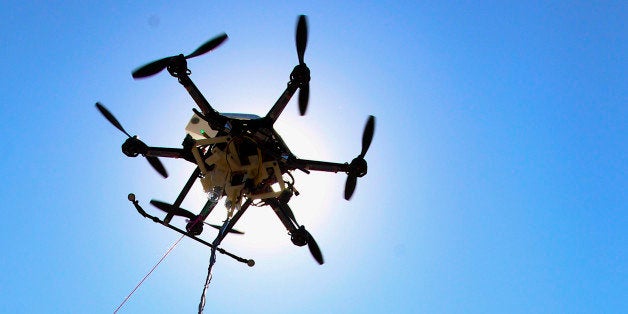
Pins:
x: 497, y: 176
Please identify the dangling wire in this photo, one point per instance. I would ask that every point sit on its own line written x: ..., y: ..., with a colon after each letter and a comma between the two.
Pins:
x: 212, y: 260
x: 214, y: 247
x: 150, y: 272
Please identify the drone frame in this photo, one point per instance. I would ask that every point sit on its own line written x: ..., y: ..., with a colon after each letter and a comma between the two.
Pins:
x: 202, y: 152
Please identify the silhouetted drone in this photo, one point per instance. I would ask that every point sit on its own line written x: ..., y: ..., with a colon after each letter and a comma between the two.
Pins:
x: 238, y: 156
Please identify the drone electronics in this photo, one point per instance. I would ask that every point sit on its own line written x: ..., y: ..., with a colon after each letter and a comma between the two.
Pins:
x: 239, y: 157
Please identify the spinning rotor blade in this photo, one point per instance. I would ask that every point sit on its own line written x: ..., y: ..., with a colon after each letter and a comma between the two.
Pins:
x: 157, y: 165
x: 111, y: 118
x: 208, y: 46
x: 151, y: 68
x: 350, y: 186
x: 220, y: 227
x: 159, y: 65
x: 301, y: 37
x: 177, y: 211
x: 154, y: 161
x: 358, y: 165
x: 304, y: 73
x: 236, y: 231
x: 304, y: 96
x: 314, y: 249
x: 367, y: 136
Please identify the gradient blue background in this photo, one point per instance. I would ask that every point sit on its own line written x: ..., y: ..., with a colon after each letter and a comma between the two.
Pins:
x: 497, y: 177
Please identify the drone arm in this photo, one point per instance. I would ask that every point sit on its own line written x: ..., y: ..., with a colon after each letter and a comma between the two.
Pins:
x: 276, y: 205
x: 168, y: 152
x: 298, y: 234
x: 215, y: 120
x: 282, y: 102
x: 316, y: 165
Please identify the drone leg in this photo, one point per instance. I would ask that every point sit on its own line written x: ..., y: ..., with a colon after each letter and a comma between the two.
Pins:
x: 233, y: 220
x: 195, y: 226
x: 184, y: 193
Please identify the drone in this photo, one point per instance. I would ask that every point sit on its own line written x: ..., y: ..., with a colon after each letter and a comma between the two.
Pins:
x: 239, y: 157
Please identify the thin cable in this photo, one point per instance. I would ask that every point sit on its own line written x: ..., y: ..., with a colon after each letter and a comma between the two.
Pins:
x: 150, y: 272
x: 212, y: 261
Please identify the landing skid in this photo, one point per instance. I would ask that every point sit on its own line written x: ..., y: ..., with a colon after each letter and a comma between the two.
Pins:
x: 132, y: 199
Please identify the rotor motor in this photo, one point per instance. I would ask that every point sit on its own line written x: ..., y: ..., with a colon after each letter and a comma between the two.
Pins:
x: 133, y: 147
x: 358, y: 167
x: 300, y: 74
x: 300, y: 237
x: 178, y: 66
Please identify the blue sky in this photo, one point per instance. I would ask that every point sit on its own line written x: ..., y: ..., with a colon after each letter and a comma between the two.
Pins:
x: 497, y: 175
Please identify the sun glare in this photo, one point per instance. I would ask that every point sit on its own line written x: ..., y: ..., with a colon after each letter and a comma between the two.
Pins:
x: 318, y: 191
x: 311, y: 207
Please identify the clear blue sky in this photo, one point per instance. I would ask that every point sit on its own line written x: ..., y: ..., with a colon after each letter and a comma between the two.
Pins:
x: 497, y: 177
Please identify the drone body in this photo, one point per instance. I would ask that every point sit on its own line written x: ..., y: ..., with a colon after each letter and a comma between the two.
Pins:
x: 239, y: 157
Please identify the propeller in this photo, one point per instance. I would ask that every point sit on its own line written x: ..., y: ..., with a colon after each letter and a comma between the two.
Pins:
x: 159, y: 65
x: 358, y: 166
x: 218, y: 227
x: 300, y: 236
x: 313, y: 246
x: 302, y: 72
x: 301, y: 37
x: 132, y: 144
x: 177, y: 211
x: 157, y: 165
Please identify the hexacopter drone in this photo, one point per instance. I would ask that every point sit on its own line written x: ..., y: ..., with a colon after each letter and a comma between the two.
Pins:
x: 238, y: 156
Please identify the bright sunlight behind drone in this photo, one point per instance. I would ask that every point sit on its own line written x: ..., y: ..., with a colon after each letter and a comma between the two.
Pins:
x: 243, y: 162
